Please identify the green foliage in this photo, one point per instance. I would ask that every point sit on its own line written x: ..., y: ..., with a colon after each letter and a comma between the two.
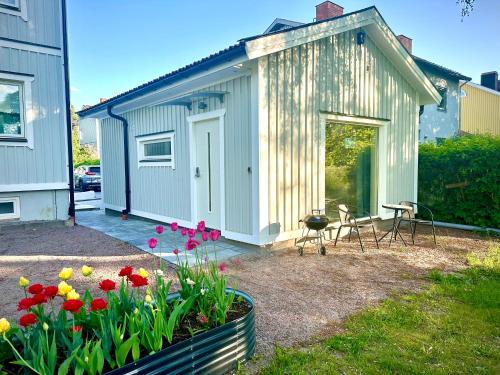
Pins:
x: 81, y: 155
x: 451, y: 328
x: 459, y: 180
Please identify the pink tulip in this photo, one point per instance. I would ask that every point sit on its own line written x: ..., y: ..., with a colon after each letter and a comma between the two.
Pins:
x: 159, y: 229
x: 152, y: 242
x: 191, y: 244
x: 204, y: 236
x: 201, y: 226
x: 175, y: 251
x: 214, y: 235
x: 191, y: 233
x: 237, y: 262
x: 222, y: 267
x: 174, y: 226
x: 183, y: 231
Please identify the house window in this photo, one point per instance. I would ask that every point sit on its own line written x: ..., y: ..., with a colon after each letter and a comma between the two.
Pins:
x: 156, y: 150
x: 11, y: 109
x: 443, y: 91
x: 9, y: 208
x: 13, y: 4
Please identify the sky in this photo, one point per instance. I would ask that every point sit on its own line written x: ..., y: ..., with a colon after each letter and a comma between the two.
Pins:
x: 115, y: 45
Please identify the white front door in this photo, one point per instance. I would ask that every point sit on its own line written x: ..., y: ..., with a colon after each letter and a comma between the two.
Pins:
x: 207, y: 177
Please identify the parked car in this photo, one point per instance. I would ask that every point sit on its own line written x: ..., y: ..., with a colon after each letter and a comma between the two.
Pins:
x: 88, y: 177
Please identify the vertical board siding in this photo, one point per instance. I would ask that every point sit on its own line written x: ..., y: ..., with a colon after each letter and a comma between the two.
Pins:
x: 165, y: 191
x: 46, y: 162
x: 334, y: 75
x: 42, y: 27
x: 479, y: 111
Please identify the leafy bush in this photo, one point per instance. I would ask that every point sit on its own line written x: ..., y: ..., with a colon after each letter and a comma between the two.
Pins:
x: 459, y: 180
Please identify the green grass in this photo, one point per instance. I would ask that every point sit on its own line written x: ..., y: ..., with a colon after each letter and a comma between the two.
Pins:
x: 451, y: 328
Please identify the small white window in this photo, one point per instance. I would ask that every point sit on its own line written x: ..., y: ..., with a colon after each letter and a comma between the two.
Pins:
x: 14, y: 7
x: 156, y: 150
x: 10, y: 3
x: 9, y: 208
x: 11, y: 109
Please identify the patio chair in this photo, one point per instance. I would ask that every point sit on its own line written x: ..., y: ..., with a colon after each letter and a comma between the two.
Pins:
x: 410, y: 218
x: 347, y: 220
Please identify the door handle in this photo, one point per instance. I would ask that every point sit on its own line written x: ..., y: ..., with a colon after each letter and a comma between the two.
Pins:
x: 197, y: 172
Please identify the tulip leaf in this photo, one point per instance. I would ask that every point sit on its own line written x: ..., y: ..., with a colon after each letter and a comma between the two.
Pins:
x: 123, y: 350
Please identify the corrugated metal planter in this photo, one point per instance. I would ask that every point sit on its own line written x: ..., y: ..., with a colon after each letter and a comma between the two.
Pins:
x: 216, y: 351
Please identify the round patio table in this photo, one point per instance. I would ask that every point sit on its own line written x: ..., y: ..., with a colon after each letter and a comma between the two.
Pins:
x: 394, y: 230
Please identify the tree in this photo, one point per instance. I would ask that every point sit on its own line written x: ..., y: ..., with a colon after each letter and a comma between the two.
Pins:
x: 467, y: 6
x: 81, y: 154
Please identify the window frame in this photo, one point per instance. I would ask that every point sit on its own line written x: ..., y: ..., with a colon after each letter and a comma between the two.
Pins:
x: 19, y: 9
x: 26, y: 137
x: 17, y: 210
x: 22, y: 107
x: 444, y: 99
x: 159, y: 160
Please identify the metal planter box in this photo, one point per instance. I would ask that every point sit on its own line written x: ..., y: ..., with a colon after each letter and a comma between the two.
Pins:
x: 216, y: 351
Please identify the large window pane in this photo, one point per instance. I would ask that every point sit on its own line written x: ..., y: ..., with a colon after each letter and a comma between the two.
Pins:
x: 157, y: 149
x: 13, y: 3
x: 10, y: 109
x: 351, y: 169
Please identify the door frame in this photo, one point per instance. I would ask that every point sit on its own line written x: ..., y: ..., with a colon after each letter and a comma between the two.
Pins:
x: 381, y: 125
x: 192, y: 120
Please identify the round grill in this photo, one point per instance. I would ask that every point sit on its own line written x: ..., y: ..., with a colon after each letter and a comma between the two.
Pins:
x: 316, y: 222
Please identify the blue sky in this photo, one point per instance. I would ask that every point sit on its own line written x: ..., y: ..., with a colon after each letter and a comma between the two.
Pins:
x: 115, y: 45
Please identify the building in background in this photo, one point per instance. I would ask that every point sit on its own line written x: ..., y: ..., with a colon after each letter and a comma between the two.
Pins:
x: 89, y: 133
x: 34, y: 172
x: 480, y: 106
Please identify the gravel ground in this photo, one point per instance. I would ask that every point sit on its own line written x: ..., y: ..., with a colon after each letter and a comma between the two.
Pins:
x: 297, y: 298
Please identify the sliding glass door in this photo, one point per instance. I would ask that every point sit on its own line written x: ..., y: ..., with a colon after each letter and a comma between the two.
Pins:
x: 351, y: 168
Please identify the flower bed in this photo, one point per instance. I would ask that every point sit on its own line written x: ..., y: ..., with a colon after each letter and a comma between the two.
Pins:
x: 136, y: 323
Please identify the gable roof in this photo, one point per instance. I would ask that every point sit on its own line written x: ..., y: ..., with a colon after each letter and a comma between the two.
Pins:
x: 259, y: 45
x: 280, y: 24
x: 428, y: 65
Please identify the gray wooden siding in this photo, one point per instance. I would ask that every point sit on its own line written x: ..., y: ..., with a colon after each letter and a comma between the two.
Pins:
x: 46, y: 162
x: 43, y: 25
x: 333, y: 75
x: 166, y: 191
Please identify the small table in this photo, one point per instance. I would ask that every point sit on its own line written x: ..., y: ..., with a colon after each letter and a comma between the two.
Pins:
x: 394, y: 230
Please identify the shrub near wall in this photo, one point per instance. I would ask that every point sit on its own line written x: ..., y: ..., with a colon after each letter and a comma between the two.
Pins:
x: 460, y: 180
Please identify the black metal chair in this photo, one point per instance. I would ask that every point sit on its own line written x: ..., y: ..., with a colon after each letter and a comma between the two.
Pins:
x: 347, y: 220
x: 409, y: 217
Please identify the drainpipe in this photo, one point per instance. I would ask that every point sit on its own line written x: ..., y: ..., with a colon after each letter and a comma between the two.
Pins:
x: 71, y: 209
x: 460, y: 104
x: 124, y: 121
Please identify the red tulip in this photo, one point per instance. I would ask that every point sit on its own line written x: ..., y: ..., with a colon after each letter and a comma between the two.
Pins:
x: 191, y: 244
x: 174, y: 226
x: 125, y: 271
x: 175, y: 251
x: 50, y: 291
x: 35, y: 289
x: 204, y: 236
x: 27, y: 320
x: 72, y: 305
x: 138, y: 281
x: 201, y: 226
x: 159, y: 229
x: 98, y: 304
x: 214, y: 235
x: 183, y: 231
x: 39, y: 298
x: 25, y: 304
x: 107, y: 285
x: 152, y: 242
x: 76, y: 328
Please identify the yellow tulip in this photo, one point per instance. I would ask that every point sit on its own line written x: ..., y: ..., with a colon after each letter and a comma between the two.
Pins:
x: 45, y: 327
x: 23, y: 282
x: 87, y: 271
x: 72, y: 294
x: 66, y: 273
x: 142, y: 272
x: 4, y: 326
x: 64, y: 288
x: 148, y: 299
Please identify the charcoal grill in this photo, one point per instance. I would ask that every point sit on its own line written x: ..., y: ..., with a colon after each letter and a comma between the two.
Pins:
x: 313, y: 231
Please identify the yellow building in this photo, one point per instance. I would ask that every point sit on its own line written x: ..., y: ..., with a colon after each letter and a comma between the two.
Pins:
x: 479, y: 110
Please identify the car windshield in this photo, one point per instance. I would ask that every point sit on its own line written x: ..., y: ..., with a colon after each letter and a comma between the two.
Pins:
x: 95, y: 170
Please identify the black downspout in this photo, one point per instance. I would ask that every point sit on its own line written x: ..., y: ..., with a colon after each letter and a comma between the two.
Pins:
x: 71, y: 209
x: 126, y: 158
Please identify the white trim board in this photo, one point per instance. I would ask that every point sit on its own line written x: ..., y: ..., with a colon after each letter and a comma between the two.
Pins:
x: 34, y: 187
x: 17, y: 208
x: 30, y: 47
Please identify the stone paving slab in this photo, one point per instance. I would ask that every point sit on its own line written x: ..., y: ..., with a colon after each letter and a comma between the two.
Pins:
x: 137, y: 231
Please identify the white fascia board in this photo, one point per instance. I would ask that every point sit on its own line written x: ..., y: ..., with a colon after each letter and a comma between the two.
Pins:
x: 272, y: 43
x: 198, y: 81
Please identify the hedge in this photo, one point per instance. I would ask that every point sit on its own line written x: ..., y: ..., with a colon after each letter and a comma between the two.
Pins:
x: 460, y: 180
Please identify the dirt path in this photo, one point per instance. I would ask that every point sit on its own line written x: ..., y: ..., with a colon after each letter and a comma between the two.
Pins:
x: 296, y: 297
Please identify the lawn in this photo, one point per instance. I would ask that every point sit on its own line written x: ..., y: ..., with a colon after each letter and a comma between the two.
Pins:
x: 453, y: 327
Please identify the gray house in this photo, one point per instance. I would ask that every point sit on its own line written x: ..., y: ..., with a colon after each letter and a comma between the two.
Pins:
x: 33, y: 118
x: 242, y: 138
x: 441, y: 120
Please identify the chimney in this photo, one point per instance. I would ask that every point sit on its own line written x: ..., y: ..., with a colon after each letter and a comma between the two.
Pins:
x: 327, y: 9
x: 102, y: 100
x: 406, y: 42
x: 490, y: 80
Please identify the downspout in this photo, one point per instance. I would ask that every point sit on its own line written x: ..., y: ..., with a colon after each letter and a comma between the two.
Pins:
x: 71, y: 208
x: 124, y: 121
x: 460, y: 103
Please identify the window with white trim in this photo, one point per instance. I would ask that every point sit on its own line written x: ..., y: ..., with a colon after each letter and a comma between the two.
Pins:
x: 9, y: 208
x: 156, y: 150
x: 11, y: 109
x: 10, y: 3
x: 14, y: 7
